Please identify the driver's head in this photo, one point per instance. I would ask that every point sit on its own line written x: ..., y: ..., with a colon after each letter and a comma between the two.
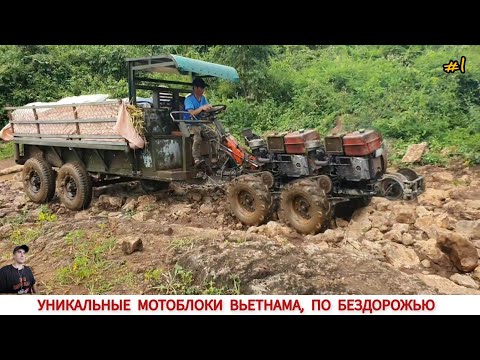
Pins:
x: 199, y: 86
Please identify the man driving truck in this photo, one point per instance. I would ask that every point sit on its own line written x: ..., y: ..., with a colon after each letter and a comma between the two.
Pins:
x: 195, y: 103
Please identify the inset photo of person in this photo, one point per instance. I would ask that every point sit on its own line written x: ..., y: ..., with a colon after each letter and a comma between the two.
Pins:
x: 18, y: 278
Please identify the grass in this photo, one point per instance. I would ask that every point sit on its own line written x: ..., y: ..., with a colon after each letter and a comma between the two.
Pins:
x: 181, y: 282
x: 152, y: 275
x: 21, y: 235
x: 6, y: 151
x: 90, y: 265
x: 238, y: 240
x: 181, y: 244
x: 25, y: 236
x: 21, y: 218
x: 73, y: 236
x: 130, y: 212
x: 45, y: 214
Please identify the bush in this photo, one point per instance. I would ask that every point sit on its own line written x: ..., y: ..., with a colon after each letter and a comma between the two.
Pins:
x: 401, y: 91
x: 6, y: 151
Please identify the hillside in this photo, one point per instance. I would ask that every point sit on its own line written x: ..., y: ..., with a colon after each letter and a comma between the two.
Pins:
x: 184, y: 240
x: 402, y: 91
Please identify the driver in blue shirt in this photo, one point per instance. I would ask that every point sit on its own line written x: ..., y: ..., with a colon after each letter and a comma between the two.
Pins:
x: 195, y: 103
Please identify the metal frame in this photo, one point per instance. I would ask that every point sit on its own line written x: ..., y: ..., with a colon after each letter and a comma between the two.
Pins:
x: 58, y: 105
x: 173, y: 64
x: 77, y: 140
x: 103, y: 145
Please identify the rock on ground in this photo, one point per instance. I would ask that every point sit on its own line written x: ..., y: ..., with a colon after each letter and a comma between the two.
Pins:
x: 130, y: 244
x: 414, y: 153
x: 461, y: 251
x: 445, y: 286
x: 11, y: 170
x: 464, y: 280
x: 270, y: 268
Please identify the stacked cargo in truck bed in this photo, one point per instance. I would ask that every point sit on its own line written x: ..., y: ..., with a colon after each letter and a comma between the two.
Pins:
x: 88, y: 118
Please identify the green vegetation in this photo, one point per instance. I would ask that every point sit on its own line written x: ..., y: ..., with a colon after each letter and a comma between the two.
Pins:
x: 24, y: 236
x: 181, y: 244
x: 90, y: 266
x: 401, y: 91
x: 21, y: 218
x: 152, y: 275
x: 6, y: 150
x: 21, y: 234
x: 45, y: 214
x: 181, y: 281
x: 130, y: 212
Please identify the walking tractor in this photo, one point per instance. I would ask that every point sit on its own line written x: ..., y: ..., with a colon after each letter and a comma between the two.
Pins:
x: 69, y: 148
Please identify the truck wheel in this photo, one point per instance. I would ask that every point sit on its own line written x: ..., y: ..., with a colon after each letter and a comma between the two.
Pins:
x: 249, y: 199
x: 74, y: 186
x: 38, y: 180
x: 154, y: 185
x: 305, y: 207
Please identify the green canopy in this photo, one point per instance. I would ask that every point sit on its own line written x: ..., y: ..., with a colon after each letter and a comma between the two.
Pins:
x: 176, y: 64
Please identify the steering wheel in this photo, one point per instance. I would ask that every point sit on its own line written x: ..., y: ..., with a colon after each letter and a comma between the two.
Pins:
x: 215, y: 110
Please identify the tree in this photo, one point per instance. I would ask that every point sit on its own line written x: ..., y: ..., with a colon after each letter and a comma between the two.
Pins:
x: 251, y: 62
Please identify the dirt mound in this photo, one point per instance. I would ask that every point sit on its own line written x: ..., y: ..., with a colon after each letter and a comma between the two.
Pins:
x: 268, y: 267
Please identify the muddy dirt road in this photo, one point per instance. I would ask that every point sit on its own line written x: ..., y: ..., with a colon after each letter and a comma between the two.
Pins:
x: 183, y: 240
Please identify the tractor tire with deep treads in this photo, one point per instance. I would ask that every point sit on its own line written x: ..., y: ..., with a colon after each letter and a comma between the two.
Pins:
x: 74, y: 186
x: 38, y: 180
x: 305, y: 207
x: 250, y: 200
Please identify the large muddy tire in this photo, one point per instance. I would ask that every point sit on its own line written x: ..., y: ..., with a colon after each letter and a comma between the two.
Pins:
x: 249, y: 199
x: 74, y: 186
x: 153, y: 185
x: 305, y: 207
x: 38, y: 180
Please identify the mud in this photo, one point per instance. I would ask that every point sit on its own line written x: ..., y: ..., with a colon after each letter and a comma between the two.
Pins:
x: 190, y: 239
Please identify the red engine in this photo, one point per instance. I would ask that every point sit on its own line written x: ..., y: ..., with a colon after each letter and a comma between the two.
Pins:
x: 295, y: 141
x: 360, y: 143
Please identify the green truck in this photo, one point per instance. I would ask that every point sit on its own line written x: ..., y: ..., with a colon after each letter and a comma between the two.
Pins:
x: 77, y: 139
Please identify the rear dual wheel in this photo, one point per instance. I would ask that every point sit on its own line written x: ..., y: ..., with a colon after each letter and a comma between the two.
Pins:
x: 74, y: 186
x: 38, y: 180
